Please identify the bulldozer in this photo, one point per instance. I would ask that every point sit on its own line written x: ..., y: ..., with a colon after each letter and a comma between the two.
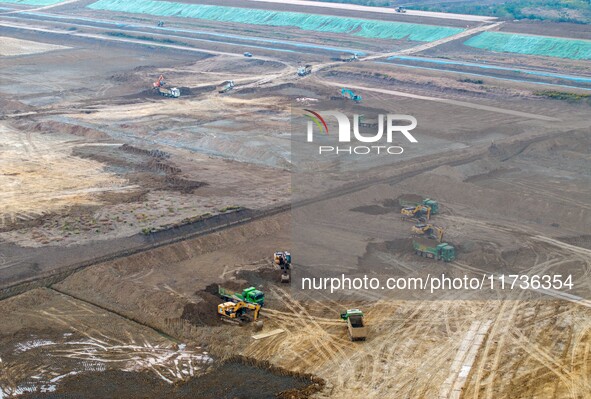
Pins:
x: 420, y: 213
x: 237, y: 312
x: 428, y: 230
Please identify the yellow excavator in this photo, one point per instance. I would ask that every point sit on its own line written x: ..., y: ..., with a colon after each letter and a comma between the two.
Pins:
x: 421, y: 213
x: 428, y: 230
x: 237, y: 311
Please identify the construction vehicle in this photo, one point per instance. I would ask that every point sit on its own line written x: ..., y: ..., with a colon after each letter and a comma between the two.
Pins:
x: 433, y: 250
x: 400, y: 10
x: 238, y: 311
x: 173, y: 92
x: 355, y: 324
x: 248, y: 295
x: 226, y: 86
x: 347, y: 57
x: 160, y: 24
x: 419, y: 213
x: 160, y: 82
x: 247, y: 54
x: 164, y: 91
x: 365, y: 122
x: 350, y: 94
x: 304, y: 70
x: 282, y: 260
x: 428, y: 230
x: 413, y: 202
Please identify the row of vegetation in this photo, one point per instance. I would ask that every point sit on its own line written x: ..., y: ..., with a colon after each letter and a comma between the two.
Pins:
x: 564, y: 96
x: 186, y: 221
x: 145, y: 38
x: 576, y: 11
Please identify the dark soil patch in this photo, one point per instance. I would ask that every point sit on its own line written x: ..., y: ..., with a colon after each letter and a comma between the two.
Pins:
x: 146, y: 168
x: 234, y: 379
x: 203, y: 313
x: 387, y: 206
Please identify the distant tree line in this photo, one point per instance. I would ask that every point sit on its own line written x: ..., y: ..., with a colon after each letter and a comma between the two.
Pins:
x: 372, y: 3
x: 576, y: 11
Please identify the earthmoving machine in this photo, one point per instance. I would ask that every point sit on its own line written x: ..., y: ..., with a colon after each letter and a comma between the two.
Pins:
x: 248, y: 295
x: 347, y: 57
x: 304, y: 70
x: 283, y: 260
x: 433, y: 250
x: 355, y: 324
x: 247, y: 54
x: 160, y: 24
x: 238, y: 311
x: 434, y: 205
x: 347, y: 93
x: 226, y: 86
x: 428, y: 230
x: 164, y: 91
x: 420, y: 213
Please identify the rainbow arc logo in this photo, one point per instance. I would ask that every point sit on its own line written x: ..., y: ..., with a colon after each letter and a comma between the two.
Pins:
x: 317, y: 119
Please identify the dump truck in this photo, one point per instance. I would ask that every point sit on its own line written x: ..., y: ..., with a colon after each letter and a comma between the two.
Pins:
x: 348, y: 57
x: 355, y: 324
x: 226, y: 86
x: 413, y: 201
x: 249, y: 295
x: 434, y: 250
x: 238, y: 311
x: 173, y: 92
x: 304, y: 70
x: 165, y: 91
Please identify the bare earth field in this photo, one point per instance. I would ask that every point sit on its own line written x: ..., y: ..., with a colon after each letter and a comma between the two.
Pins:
x: 10, y: 47
x: 122, y: 211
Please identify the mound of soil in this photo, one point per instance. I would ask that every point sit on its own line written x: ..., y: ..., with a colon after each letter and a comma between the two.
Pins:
x: 203, y: 313
x: 8, y: 106
x: 76, y: 130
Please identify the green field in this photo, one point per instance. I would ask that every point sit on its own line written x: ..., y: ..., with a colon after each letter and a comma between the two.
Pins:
x: 533, y: 45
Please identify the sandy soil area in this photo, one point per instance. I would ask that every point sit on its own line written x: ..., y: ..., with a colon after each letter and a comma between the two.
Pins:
x: 92, y: 160
x: 10, y: 46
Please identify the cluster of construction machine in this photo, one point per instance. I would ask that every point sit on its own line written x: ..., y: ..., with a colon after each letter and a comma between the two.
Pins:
x: 238, y: 304
x: 160, y: 86
x: 427, y: 241
x: 427, y: 237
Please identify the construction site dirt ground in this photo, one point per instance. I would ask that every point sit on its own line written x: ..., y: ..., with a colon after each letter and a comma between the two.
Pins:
x: 92, y: 161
